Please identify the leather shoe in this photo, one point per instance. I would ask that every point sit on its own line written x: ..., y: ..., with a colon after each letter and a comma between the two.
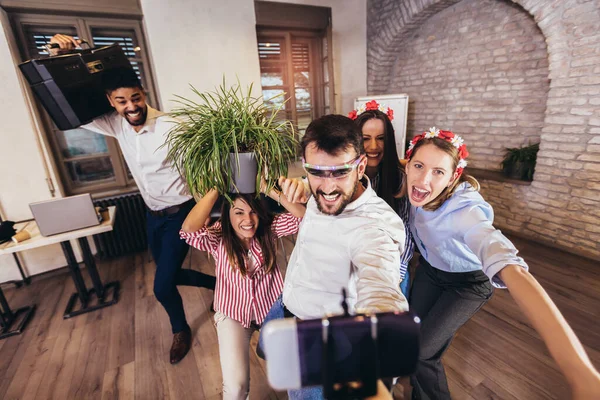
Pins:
x: 182, y: 342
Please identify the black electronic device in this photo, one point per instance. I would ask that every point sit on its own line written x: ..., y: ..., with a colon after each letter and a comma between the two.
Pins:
x: 334, y: 351
x: 69, y: 86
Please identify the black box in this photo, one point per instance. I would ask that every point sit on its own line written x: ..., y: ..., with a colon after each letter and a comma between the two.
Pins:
x: 69, y: 86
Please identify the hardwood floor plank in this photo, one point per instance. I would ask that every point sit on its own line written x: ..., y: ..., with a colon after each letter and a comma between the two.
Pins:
x: 121, y: 348
x: 89, y: 374
x: 119, y: 383
x: 13, y: 353
x: 58, y: 378
x: 152, y: 344
x: 30, y: 372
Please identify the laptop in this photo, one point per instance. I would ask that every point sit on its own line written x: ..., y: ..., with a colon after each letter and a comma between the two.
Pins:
x: 64, y: 215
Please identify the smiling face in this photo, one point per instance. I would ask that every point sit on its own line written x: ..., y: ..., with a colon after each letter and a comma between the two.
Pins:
x: 244, y: 220
x: 373, y: 134
x: 130, y: 103
x: 333, y: 194
x: 429, y: 171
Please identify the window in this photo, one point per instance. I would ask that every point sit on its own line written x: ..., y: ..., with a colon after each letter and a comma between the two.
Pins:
x: 86, y: 161
x: 296, y: 60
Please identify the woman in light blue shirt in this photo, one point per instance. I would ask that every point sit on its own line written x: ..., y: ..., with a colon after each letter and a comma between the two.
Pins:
x: 463, y: 258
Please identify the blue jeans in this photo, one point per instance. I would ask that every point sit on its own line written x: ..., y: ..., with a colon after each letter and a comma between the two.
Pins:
x: 169, y: 251
x: 311, y: 393
x: 405, y: 284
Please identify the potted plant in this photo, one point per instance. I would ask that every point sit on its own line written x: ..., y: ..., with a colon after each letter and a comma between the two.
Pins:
x: 227, y: 139
x: 519, y: 162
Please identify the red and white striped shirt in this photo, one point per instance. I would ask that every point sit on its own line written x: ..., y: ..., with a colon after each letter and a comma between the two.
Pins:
x: 250, y: 297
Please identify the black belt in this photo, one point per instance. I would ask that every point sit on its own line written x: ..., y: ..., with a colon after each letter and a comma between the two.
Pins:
x: 170, y: 210
x: 287, y: 313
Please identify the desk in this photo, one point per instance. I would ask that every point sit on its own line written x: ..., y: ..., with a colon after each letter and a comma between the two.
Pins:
x: 104, y: 295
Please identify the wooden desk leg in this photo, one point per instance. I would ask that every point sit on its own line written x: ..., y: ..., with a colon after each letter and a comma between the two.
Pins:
x: 9, y: 317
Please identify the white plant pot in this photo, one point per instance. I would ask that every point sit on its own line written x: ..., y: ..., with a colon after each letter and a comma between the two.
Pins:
x: 244, y: 172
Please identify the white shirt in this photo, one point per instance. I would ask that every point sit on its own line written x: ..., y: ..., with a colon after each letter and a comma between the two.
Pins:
x: 358, y: 250
x: 160, y: 184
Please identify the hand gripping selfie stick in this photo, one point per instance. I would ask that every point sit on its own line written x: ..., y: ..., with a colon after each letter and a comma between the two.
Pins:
x: 369, y: 369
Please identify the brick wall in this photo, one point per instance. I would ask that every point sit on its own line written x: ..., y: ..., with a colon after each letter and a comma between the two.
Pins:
x: 479, y: 68
x: 503, y: 74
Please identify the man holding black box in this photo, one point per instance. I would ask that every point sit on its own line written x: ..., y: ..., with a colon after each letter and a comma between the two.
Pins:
x: 141, y: 131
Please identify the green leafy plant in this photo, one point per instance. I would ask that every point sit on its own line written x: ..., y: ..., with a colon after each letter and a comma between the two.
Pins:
x: 519, y: 162
x: 228, y: 120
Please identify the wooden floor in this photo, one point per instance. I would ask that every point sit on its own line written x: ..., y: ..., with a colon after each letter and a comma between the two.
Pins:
x: 121, y: 352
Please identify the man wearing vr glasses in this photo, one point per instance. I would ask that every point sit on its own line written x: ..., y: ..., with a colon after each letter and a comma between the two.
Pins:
x: 349, y: 237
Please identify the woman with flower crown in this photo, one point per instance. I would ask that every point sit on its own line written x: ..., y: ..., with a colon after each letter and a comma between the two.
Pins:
x: 463, y: 257
x: 384, y: 169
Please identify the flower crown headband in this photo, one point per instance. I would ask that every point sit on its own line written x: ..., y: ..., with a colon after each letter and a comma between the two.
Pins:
x: 371, y: 106
x: 448, y: 136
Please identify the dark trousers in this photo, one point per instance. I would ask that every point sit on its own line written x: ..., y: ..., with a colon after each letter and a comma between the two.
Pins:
x: 444, y: 301
x: 169, y: 251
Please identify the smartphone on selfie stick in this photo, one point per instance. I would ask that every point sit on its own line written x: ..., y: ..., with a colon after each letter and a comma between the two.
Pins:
x: 345, y: 354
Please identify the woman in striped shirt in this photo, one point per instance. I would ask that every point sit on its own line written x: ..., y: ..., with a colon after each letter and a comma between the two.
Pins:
x: 243, y: 244
x: 384, y: 171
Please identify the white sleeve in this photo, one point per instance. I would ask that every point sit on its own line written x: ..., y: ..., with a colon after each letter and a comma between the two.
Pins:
x: 102, y: 125
x: 376, y: 255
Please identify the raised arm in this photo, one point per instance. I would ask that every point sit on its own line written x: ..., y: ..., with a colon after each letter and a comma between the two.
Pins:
x: 565, y: 347
x: 290, y: 190
x: 294, y: 189
x: 500, y: 262
x: 200, y: 213
x: 64, y: 42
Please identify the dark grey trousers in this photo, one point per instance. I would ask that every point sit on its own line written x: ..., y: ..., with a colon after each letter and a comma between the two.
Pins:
x: 444, y: 301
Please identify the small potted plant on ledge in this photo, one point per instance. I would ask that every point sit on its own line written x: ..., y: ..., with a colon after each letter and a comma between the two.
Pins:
x: 519, y: 162
x: 227, y: 139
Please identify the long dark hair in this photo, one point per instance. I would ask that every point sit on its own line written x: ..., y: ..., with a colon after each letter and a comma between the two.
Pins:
x: 233, y: 244
x: 390, y: 177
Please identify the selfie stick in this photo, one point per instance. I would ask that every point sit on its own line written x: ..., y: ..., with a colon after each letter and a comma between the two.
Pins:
x: 369, y: 370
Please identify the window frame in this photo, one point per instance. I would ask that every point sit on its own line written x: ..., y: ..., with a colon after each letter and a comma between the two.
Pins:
x: 314, y: 39
x: 83, y: 25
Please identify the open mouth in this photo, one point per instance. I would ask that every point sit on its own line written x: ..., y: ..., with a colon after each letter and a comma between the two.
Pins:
x: 418, y: 195
x: 247, y: 228
x: 373, y: 155
x: 134, y: 114
x: 330, y: 198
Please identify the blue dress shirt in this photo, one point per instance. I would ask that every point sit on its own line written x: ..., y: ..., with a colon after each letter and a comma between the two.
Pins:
x: 459, y: 236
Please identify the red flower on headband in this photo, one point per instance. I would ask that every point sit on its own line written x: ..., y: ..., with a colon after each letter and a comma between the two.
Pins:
x: 371, y: 105
x: 390, y: 114
x: 446, y: 135
x: 352, y: 115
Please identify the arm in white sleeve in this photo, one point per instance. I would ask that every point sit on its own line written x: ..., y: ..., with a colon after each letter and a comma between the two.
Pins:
x: 102, y: 125
x: 376, y: 257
